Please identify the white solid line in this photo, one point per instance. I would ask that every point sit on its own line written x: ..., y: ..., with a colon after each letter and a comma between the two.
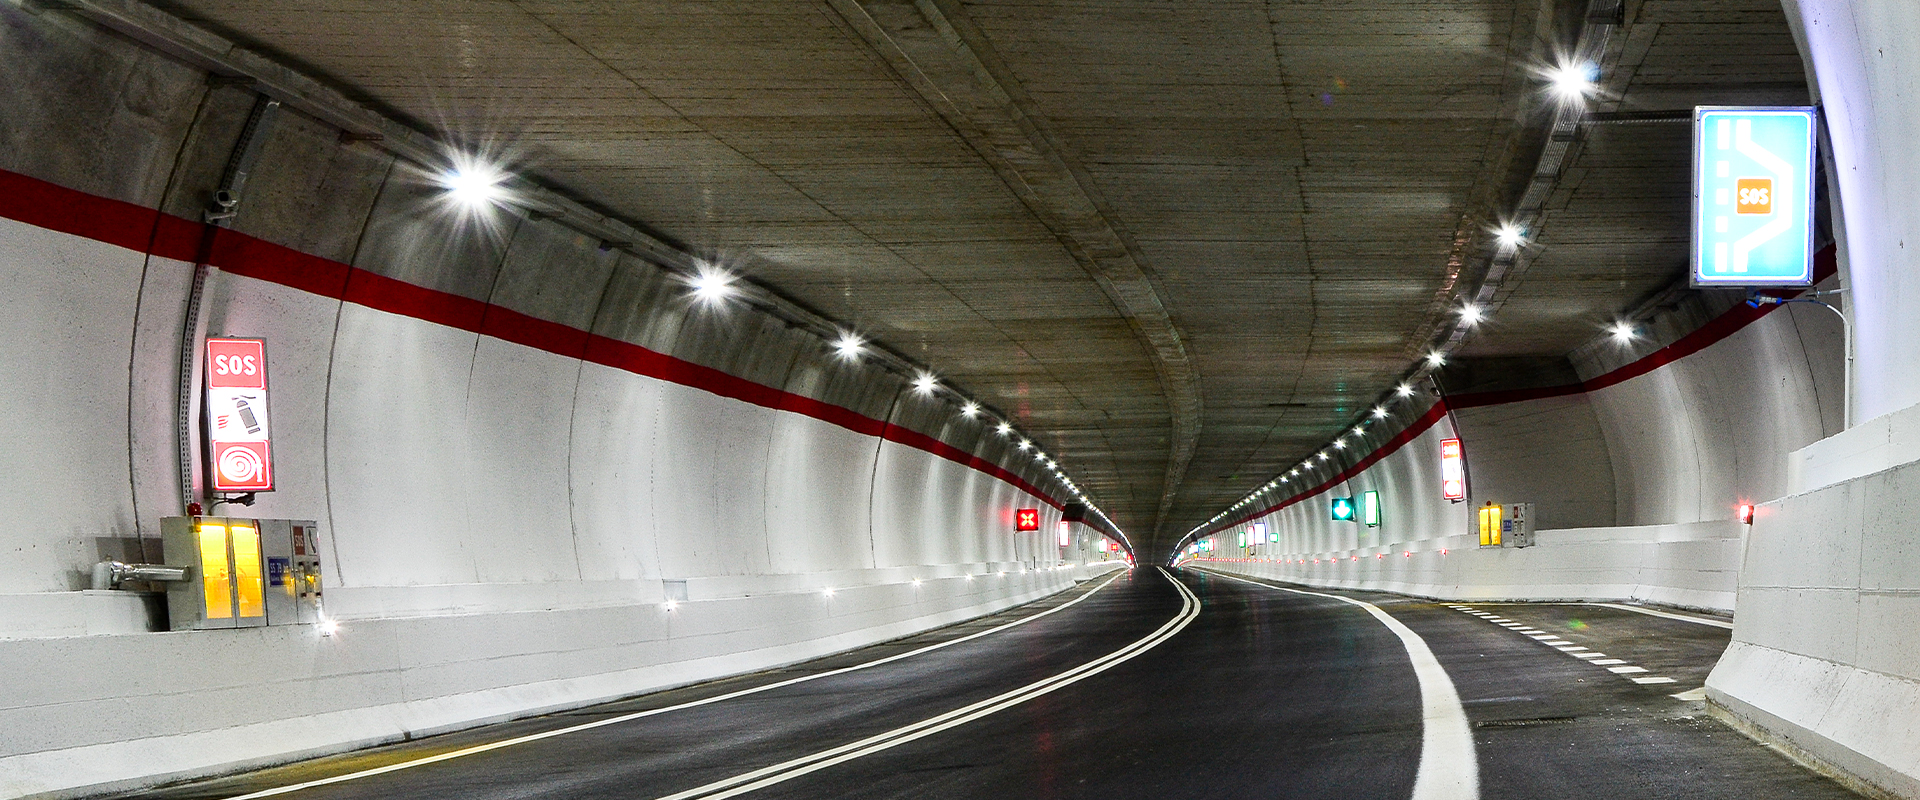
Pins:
x: 518, y: 740
x: 1449, y: 770
x: 788, y: 770
x: 1653, y: 680
x: 1657, y: 613
x: 1569, y: 648
x: 1605, y: 661
x: 1588, y: 655
x: 1625, y: 670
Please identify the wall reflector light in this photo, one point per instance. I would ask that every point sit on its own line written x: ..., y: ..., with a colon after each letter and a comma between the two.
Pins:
x: 1746, y: 513
x: 1453, y: 471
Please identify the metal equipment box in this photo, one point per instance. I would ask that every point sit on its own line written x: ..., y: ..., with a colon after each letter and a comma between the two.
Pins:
x: 242, y: 573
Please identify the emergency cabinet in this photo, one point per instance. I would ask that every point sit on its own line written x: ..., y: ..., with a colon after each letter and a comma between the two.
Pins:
x: 242, y: 573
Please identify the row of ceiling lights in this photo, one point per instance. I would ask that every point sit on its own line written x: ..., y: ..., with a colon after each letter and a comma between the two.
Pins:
x: 475, y: 187
x: 1570, y: 83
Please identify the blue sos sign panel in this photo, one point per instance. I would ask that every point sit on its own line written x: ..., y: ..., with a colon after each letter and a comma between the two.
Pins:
x: 1753, y: 196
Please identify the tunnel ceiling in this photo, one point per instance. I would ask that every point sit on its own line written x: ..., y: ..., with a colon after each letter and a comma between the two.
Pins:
x: 1182, y: 243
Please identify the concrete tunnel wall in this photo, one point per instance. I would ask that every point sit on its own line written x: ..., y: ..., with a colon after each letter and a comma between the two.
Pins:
x: 514, y: 444
x: 1825, y: 660
x: 1635, y: 481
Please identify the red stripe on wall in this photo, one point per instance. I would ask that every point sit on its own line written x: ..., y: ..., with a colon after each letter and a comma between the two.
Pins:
x: 1731, y: 321
x: 58, y: 208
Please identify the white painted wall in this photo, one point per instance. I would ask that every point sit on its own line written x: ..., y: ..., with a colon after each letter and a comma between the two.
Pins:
x: 1670, y: 454
x: 500, y: 522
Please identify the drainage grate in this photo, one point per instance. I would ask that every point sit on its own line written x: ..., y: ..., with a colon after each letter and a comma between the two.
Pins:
x: 1522, y: 723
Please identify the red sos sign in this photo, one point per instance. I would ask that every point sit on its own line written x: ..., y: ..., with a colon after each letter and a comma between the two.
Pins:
x: 1026, y: 519
x: 239, y: 438
x: 236, y: 364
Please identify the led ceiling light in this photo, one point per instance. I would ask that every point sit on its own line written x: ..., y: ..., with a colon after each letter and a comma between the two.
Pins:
x: 924, y: 383
x: 1404, y: 390
x: 474, y: 185
x: 970, y: 409
x: 849, y: 345
x: 1436, y: 358
x: 1622, y: 331
x: 1472, y: 314
x: 1571, y: 83
x: 1004, y: 429
x: 1510, y: 236
x: 711, y: 284
x: 1379, y: 412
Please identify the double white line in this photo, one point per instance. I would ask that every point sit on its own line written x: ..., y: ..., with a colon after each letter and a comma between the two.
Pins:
x: 534, y: 737
x: 788, y: 770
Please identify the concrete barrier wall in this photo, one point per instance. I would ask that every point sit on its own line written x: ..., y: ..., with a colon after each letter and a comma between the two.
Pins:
x: 516, y: 444
x: 1825, y: 661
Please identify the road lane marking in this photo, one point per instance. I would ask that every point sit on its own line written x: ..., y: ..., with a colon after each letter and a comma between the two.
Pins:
x: 788, y: 770
x: 1606, y: 661
x: 1588, y: 655
x: 1449, y: 770
x: 534, y: 737
x: 1626, y: 670
x: 1644, y: 681
x: 1665, y: 615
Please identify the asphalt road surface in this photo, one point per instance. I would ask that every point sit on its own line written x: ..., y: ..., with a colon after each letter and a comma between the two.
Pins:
x: 1158, y: 684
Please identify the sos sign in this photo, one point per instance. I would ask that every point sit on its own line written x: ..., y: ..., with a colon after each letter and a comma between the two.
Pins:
x: 1753, y: 187
x: 1026, y: 519
x: 239, y: 441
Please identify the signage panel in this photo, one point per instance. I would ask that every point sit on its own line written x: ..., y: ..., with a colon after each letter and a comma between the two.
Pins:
x: 1026, y: 520
x: 1753, y: 173
x: 1370, y: 508
x: 1453, y: 472
x: 1343, y: 509
x: 239, y: 441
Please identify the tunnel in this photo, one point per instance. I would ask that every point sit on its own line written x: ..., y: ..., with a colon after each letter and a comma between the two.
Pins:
x: 1432, y: 399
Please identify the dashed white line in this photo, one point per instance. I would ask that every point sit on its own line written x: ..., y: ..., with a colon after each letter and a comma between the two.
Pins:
x: 1556, y: 642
